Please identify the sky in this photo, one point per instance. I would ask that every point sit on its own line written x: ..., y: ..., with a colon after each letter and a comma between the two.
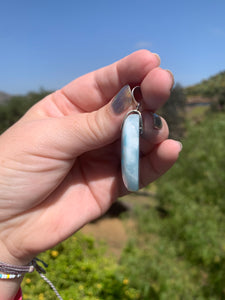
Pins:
x: 46, y: 44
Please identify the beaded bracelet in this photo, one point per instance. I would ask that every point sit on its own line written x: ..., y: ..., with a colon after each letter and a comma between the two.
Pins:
x: 17, y: 270
x: 10, y: 276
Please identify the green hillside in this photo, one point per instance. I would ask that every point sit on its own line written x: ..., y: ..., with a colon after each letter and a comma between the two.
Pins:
x: 212, y: 87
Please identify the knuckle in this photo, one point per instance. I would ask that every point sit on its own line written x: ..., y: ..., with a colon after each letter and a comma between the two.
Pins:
x: 95, y: 126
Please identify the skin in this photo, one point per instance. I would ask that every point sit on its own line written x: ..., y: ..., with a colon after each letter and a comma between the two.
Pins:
x: 60, y: 163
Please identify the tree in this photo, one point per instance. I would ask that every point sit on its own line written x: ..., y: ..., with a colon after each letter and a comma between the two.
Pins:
x: 14, y: 108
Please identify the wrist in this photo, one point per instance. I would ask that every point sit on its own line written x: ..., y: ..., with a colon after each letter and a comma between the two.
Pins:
x: 9, y: 287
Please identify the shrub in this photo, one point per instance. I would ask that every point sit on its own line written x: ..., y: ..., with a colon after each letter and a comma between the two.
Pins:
x: 80, y: 270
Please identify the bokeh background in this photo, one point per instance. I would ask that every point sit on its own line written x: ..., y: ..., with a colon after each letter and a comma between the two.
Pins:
x: 168, y: 240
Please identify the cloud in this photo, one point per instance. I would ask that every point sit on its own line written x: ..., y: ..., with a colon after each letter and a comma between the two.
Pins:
x: 143, y: 45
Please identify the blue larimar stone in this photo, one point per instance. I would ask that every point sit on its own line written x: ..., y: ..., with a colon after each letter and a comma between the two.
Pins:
x: 130, y: 151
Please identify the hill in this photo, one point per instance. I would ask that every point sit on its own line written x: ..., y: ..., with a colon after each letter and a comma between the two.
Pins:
x: 210, y: 91
x: 210, y: 88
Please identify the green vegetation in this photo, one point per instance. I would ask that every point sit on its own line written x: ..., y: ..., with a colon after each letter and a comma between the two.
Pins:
x: 80, y: 270
x: 179, y: 251
x: 213, y: 88
x: 13, y: 109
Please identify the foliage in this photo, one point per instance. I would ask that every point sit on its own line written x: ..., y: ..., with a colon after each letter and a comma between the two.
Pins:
x: 80, y: 270
x: 174, y: 112
x: 179, y: 252
x: 13, y: 109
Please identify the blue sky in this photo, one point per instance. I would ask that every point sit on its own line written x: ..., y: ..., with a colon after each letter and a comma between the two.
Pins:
x: 49, y: 43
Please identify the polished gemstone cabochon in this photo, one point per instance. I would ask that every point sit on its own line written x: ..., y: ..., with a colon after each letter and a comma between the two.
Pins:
x: 130, y: 151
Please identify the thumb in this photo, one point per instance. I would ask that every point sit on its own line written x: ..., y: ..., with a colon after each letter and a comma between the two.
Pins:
x: 93, y: 130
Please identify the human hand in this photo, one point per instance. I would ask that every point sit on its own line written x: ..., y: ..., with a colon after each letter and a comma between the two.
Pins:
x: 60, y: 163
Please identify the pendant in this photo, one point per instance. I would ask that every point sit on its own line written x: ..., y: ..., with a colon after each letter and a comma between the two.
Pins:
x: 132, y: 128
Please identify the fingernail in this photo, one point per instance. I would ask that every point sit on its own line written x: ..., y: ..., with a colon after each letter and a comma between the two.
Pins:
x: 180, y: 145
x: 122, y: 100
x: 158, y: 57
x: 157, y: 121
x: 171, y: 75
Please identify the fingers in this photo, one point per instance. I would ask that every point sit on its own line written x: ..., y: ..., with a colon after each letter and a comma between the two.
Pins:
x: 160, y: 160
x: 155, y: 132
x: 79, y: 133
x: 89, y: 131
x: 92, y: 91
x: 154, y: 164
x: 156, y: 87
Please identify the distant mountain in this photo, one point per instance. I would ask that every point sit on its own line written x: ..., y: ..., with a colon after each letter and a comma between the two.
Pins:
x: 4, y: 97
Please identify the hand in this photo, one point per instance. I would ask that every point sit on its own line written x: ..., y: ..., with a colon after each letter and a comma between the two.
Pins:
x: 60, y: 163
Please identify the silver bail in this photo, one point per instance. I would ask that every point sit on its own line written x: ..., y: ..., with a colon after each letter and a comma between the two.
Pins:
x: 137, y: 104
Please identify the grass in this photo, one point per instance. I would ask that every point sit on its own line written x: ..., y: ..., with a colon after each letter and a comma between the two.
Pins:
x: 197, y: 113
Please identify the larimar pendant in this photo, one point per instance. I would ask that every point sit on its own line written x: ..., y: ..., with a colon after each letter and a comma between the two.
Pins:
x: 130, y: 147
